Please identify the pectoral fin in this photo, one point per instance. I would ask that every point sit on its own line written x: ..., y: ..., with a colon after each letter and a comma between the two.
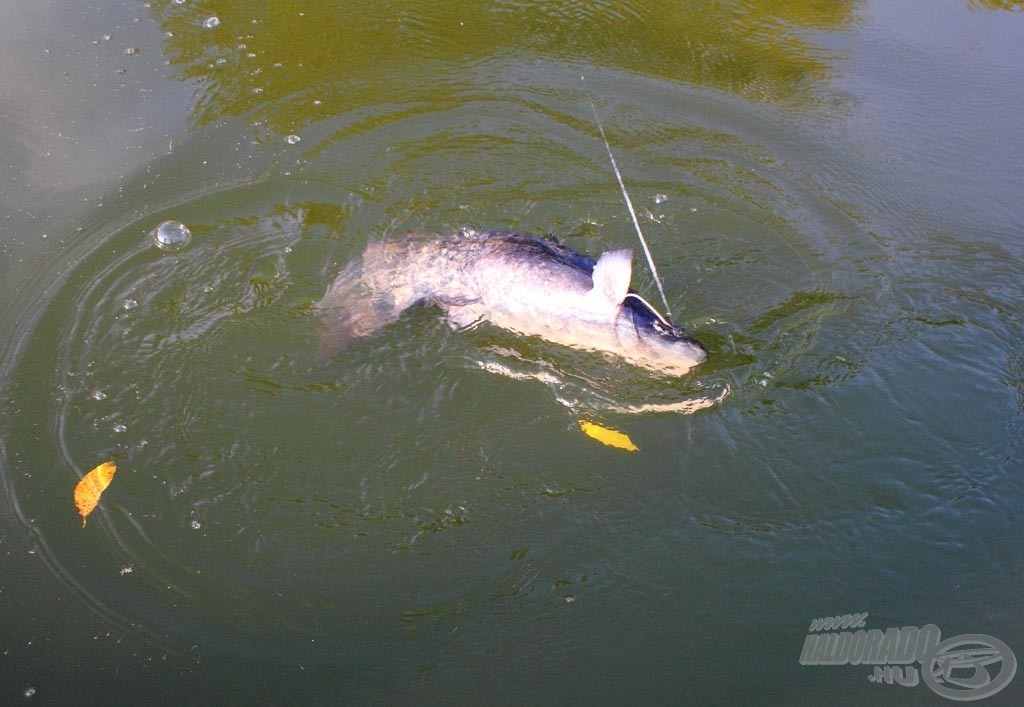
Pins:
x: 611, y: 277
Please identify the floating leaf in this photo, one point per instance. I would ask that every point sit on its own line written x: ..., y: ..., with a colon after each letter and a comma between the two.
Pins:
x: 612, y: 438
x: 92, y: 485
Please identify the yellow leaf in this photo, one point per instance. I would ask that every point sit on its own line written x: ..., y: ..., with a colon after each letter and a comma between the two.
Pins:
x: 612, y: 438
x: 88, y: 490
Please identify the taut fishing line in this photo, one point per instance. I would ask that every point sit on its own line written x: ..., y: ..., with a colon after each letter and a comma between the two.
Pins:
x: 632, y: 213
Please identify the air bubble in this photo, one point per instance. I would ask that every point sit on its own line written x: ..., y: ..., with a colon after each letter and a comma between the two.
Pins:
x: 171, y: 235
x: 292, y: 139
x: 120, y: 428
x: 196, y: 525
x: 129, y: 304
x: 99, y: 395
x: 660, y: 198
x: 211, y: 22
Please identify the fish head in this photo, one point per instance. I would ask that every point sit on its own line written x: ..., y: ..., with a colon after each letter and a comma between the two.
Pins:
x: 649, y: 339
x: 643, y: 336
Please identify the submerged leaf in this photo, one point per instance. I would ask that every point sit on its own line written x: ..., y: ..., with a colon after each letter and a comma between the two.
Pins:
x: 92, y: 485
x: 613, y: 438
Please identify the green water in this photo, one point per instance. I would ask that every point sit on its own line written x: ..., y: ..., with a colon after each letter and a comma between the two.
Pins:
x: 831, y: 190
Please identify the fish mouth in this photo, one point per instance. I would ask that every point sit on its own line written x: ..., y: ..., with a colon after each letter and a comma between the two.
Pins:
x: 651, y: 317
x: 685, y: 346
x: 700, y: 353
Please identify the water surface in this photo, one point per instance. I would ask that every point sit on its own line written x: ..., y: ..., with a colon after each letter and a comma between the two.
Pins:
x: 831, y: 191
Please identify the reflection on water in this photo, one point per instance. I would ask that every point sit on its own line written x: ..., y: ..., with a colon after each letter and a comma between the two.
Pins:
x: 295, y: 65
x: 1009, y: 5
x: 592, y: 397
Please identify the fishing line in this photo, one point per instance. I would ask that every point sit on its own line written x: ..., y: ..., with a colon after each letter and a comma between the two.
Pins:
x: 653, y: 311
x: 632, y: 212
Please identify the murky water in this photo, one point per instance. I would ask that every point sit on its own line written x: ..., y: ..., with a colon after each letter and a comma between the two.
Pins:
x: 831, y: 191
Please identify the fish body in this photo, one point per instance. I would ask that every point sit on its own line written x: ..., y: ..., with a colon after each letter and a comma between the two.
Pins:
x: 525, y: 284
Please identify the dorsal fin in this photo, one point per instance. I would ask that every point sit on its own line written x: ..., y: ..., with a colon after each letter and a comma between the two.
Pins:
x: 611, y: 277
